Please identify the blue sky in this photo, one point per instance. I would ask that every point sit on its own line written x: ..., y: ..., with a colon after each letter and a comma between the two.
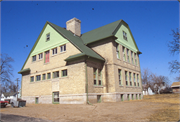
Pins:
x: 150, y: 24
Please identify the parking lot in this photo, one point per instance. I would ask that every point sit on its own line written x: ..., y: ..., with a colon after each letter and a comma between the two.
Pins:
x: 163, y: 107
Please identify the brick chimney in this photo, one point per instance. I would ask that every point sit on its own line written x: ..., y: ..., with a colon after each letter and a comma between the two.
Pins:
x: 74, y: 25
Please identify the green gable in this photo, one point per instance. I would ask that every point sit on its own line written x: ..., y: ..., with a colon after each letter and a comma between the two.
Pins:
x: 129, y: 43
x: 55, y: 40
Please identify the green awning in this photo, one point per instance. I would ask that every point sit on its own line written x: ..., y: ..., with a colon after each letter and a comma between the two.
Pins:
x: 24, y: 70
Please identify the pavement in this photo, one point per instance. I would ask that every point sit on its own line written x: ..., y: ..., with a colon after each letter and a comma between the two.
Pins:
x: 18, y: 118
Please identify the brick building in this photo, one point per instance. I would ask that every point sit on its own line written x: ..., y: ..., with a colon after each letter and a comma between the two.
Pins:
x: 67, y: 67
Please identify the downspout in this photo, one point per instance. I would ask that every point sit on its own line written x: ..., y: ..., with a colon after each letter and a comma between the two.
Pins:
x: 87, y: 84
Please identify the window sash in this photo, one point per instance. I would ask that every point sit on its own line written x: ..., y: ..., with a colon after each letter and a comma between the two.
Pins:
x: 63, y: 48
x: 38, y: 77
x: 44, y: 76
x: 56, y: 74
x: 34, y: 58
x: 32, y: 79
x: 64, y: 73
x: 48, y: 37
x: 54, y: 51
x: 119, y: 72
x: 49, y: 76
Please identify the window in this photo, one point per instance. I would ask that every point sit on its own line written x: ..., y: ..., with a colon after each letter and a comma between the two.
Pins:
x: 134, y: 79
x: 40, y: 56
x: 125, y: 35
x: 99, y: 77
x: 117, y: 51
x: 130, y: 79
x: 95, y: 75
x: 128, y: 96
x: 126, y: 78
x: 124, y: 54
x: 132, y: 96
x: 99, y: 98
x: 63, y: 48
x: 38, y: 77
x: 135, y: 58
x: 137, y: 96
x: 64, y: 73
x: 132, y: 60
x: 54, y: 51
x: 56, y: 74
x: 34, y: 58
x: 36, y: 100
x: 119, y: 74
x: 128, y: 55
x: 44, y: 76
x: 55, y: 97
x: 32, y: 78
x: 48, y: 37
x: 138, y: 79
x: 48, y: 75
x: 46, y: 56
x: 122, y: 97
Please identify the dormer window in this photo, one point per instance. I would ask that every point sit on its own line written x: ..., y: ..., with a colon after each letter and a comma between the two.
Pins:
x: 125, y: 35
x: 48, y: 37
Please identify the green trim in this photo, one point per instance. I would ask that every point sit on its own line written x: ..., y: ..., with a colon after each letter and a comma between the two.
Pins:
x: 24, y: 70
x: 122, y: 97
x: 100, y: 98
x: 53, y: 99
x: 36, y: 100
x: 62, y: 73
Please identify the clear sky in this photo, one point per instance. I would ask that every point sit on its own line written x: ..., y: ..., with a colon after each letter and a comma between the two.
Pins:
x: 150, y: 23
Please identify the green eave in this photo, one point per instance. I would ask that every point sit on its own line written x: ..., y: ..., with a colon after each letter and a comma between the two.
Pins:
x: 70, y: 58
x: 24, y: 70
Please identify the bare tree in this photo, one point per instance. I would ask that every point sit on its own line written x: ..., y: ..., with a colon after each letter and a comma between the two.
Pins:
x: 6, y: 68
x: 153, y: 81
x: 146, y: 79
x: 174, y: 48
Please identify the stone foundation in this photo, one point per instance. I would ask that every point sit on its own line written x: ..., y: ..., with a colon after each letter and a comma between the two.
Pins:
x: 81, y: 98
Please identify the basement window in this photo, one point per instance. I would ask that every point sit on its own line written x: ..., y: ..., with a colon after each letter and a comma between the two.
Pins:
x: 48, y: 37
x: 122, y: 97
x: 36, y: 100
x: 99, y: 98
x: 55, y: 97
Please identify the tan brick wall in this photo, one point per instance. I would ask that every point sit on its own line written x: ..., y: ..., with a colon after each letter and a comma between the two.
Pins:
x: 74, y: 83
x: 54, y: 61
x: 107, y: 49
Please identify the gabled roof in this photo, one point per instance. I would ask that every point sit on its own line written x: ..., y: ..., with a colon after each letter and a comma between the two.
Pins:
x: 77, y: 42
x: 100, y: 33
x: 80, y: 43
x: 175, y: 84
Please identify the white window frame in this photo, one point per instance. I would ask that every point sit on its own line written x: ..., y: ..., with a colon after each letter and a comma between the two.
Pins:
x: 54, y: 51
x: 33, y: 58
x: 124, y: 35
x: 40, y: 56
x: 63, y: 48
x: 48, y: 37
x: 117, y: 51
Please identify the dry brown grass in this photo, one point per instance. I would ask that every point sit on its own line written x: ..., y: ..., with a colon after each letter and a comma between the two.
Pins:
x: 164, y: 107
x: 169, y: 112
